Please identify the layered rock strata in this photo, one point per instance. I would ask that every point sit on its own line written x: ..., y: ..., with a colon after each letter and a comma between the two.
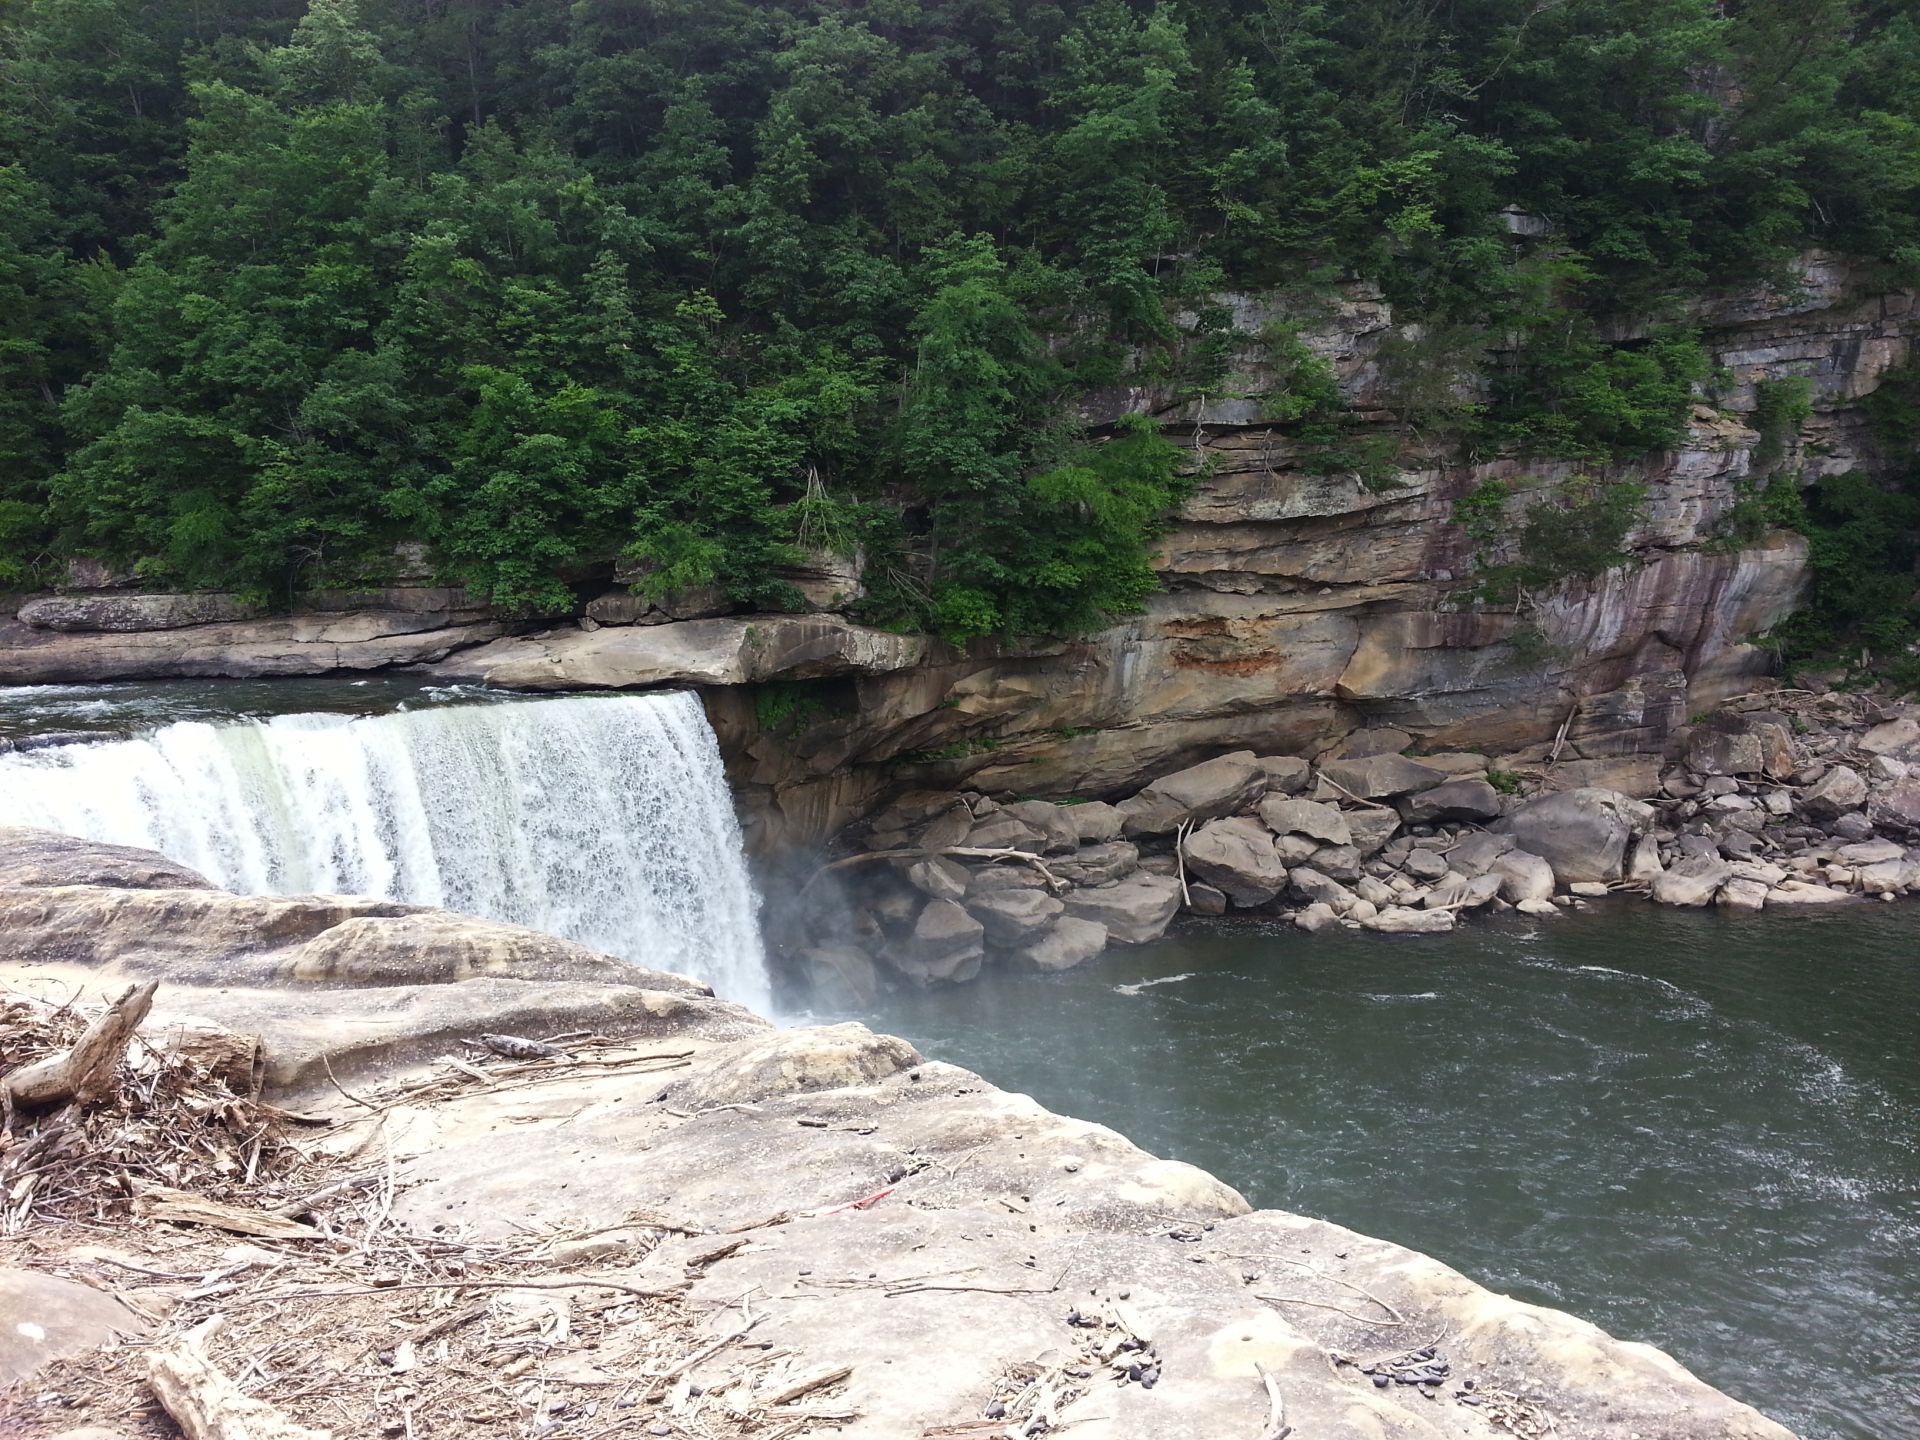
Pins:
x: 912, y: 1250
x: 1300, y: 607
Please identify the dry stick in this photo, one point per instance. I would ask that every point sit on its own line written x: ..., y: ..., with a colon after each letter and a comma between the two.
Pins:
x: 580, y: 1283
x: 1277, y: 1427
x: 1370, y: 804
x: 83, y: 1073
x: 1180, y: 859
x: 965, y: 852
x: 1553, y: 756
x: 805, y: 1385
x: 209, y: 1406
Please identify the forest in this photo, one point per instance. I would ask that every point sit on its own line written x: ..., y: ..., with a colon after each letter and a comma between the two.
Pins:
x: 704, y: 286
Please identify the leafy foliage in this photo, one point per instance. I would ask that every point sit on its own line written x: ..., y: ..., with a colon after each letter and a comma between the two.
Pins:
x: 283, y: 284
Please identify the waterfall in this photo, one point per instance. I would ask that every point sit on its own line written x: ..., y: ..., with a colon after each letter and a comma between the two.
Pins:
x: 605, y: 820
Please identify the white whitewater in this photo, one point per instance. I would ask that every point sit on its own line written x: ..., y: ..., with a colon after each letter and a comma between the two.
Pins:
x: 603, y: 820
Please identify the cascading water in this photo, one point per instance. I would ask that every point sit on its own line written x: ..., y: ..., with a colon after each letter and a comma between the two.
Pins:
x: 603, y: 820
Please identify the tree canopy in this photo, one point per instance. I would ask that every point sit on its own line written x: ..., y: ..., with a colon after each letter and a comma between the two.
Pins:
x: 702, y: 285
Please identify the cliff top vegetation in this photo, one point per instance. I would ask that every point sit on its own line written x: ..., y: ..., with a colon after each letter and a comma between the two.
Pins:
x: 283, y: 284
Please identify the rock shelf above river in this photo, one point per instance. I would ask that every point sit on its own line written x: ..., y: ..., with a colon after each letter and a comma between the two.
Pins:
x: 1776, y: 799
x: 674, y: 1218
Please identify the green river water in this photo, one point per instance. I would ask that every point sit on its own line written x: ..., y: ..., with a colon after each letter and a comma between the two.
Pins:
x: 1698, y: 1131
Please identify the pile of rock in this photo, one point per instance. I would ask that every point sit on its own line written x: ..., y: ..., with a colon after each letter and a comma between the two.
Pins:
x: 1760, y: 807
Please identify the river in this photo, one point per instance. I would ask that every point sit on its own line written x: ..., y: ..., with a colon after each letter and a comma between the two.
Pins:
x: 1697, y: 1131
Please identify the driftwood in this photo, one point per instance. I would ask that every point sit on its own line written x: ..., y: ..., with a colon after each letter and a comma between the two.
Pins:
x: 84, y: 1073
x: 805, y: 1385
x: 1277, y: 1427
x: 205, y: 1404
x: 965, y: 852
x: 185, y: 1208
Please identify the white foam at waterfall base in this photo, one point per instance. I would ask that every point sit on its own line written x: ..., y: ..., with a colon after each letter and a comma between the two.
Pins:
x: 605, y: 820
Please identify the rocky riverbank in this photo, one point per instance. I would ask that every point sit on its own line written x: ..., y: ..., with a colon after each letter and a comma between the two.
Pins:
x: 376, y: 1170
x: 1776, y: 799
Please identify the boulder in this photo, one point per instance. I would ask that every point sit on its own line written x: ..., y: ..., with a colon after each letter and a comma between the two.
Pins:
x: 1455, y: 800
x: 1870, y: 852
x: 1237, y: 856
x: 1316, y: 917
x: 1897, y: 808
x: 1460, y: 892
x: 1834, y: 794
x: 1068, y: 942
x: 947, y: 945
x: 1097, y: 864
x: 1286, y: 774
x: 1095, y: 822
x: 1373, y: 891
x: 1342, y: 862
x: 1381, y: 777
x: 44, y: 1318
x: 938, y: 877
x: 1523, y: 876
x: 1135, y: 911
x: 1582, y: 834
x: 1398, y: 920
x: 1361, y: 744
x: 1203, y: 899
x: 1005, y: 876
x: 1200, y: 792
x: 1371, y: 828
x: 1013, y: 918
x: 1475, y: 853
x: 1643, y: 863
x: 1052, y: 823
x: 1715, y: 751
x: 1739, y: 894
x: 949, y: 828
x: 1425, y: 864
x: 1801, y: 892
x: 1310, y: 885
x: 1898, y: 738
x: 1004, y: 832
x: 1693, y: 882
x: 1305, y: 817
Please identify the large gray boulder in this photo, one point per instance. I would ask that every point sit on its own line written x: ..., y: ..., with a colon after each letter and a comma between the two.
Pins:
x: 1523, y: 877
x: 1135, y: 911
x: 1070, y: 941
x: 938, y: 877
x: 44, y: 1318
x: 1382, y: 777
x: 1097, y: 864
x: 1052, y: 823
x: 1371, y: 828
x: 1693, y: 882
x: 1200, y: 792
x: 1237, y: 856
x: 1095, y: 822
x: 1015, y: 917
x: 1475, y: 853
x: 1285, y: 816
x: 1399, y: 920
x: 1455, y: 800
x: 1001, y: 831
x: 1286, y: 774
x: 1583, y: 834
x: 1897, y: 808
x: 1834, y: 794
x: 946, y: 946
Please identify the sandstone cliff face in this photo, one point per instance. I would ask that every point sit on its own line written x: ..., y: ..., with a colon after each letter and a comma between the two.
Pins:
x: 1299, y: 607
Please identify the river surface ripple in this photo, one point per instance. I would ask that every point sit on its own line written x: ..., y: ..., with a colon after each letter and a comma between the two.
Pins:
x: 1695, y: 1130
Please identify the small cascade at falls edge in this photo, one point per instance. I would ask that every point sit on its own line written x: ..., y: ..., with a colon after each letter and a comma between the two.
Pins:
x: 605, y: 820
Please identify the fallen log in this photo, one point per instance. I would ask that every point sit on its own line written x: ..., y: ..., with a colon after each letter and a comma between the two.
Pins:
x: 205, y: 1404
x: 85, y: 1073
x: 964, y: 852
